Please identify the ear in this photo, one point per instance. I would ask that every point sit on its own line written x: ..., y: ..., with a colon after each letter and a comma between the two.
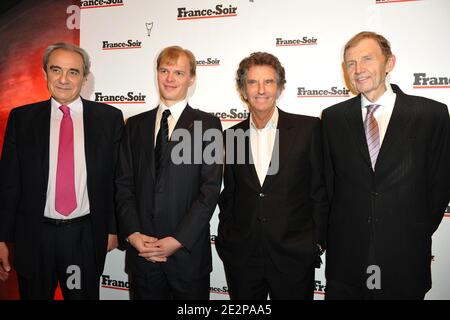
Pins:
x: 192, y: 80
x: 45, y: 75
x: 390, y: 63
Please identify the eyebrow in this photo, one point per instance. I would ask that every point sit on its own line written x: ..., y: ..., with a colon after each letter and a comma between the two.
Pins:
x: 58, y: 67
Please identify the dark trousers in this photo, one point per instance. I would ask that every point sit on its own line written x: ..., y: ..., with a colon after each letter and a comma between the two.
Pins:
x: 337, y: 290
x: 66, y: 255
x: 155, y: 284
x: 260, y: 278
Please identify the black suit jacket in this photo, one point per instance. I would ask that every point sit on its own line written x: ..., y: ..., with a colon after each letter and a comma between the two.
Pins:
x: 403, y: 201
x: 179, y: 203
x: 288, y: 213
x: 24, y: 177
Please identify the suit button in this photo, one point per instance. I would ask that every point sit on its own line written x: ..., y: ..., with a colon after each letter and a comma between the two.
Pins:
x: 262, y: 195
x: 369, y: 220
x: 262, y: 219
x: 375, y: 194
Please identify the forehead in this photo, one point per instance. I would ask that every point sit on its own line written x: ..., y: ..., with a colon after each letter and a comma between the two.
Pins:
x: 65, y: 58
x: 364, y: 47
x: 179, y: 62
x: 265, y: 71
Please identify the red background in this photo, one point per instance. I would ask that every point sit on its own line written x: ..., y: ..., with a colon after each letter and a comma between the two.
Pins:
x: 27, y: 28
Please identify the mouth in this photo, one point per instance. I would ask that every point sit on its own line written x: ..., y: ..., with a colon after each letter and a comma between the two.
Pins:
x: 361, y: 80
x: 169, y: 87
x: 63, y: 89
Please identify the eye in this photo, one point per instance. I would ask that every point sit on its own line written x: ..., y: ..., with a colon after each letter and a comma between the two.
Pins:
x: 179, y: 73
x: 269, y: 81
x: 350, y: 64
x: 74, y: 73
x: 251, y: 82
x: 55, y: 70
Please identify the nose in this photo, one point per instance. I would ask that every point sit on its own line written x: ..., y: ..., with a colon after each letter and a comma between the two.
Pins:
x: 63, y: 77
x: 261, y: 87
x: 170, y: 76
x: 358, y: 68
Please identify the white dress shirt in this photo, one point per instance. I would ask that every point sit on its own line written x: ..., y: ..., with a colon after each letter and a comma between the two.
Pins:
x: 384, y: 111
x: 175, y: 113
x: 56, y: 115
x: 261, y: 144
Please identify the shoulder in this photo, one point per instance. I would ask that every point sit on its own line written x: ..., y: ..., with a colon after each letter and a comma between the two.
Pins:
x: 340, y: 107
x: 297, y: 117
x: 206, y: 117
x: 102, y: 108
x: 141, y: 117
x: 30, y: 108
x: 427, y: 104
x: 203, y: 115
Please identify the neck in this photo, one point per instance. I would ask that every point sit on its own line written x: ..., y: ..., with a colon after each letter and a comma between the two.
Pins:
x: 260, y: 119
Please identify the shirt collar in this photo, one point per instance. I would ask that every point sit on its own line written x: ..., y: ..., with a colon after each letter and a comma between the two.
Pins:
x: 387, y: 98
x: 271, y: 124
x: 175, y: 110
x: 75, y: 106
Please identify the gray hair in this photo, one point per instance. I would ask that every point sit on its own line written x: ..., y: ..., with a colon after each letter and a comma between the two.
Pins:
x: 70, y: 47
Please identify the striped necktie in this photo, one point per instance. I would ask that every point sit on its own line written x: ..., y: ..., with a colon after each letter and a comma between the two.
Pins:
x: 372, y: 134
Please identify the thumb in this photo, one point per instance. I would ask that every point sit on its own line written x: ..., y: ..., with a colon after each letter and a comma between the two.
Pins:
x: 5, y: 265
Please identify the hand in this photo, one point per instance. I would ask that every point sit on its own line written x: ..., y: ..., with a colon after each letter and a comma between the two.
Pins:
x: 146, y: 247
x: 112, y: 242
x: 5, y: 267
x: 168, y: 245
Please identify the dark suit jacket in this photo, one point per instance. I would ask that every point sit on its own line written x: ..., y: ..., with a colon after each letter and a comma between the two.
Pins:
x: 24, y: 177
x: 403, y: 201
x: 287, y: 214
x: 179, y: 203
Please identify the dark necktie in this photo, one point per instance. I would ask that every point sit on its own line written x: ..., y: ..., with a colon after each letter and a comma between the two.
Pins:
x: 162, y: 140
x: 372, y: 134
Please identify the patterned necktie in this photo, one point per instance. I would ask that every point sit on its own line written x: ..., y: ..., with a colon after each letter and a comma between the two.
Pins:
x: 162, y: 140
x: 372, y: 134
x: 65, y: 198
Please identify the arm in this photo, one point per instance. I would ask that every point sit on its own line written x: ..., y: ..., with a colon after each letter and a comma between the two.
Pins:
x: 318, y: 191
x: 9, y: 193
x: 226, y: 199
x: 126, y: 211
x: 202, y: 208
x: 117, y: 134
x: 10, y: 187
x: 439, y: 168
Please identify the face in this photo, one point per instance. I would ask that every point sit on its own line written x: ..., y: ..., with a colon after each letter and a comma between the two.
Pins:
x: 64, y: 75
x: 261, y: 89
x: 366, y: 68
x: 174, y: 80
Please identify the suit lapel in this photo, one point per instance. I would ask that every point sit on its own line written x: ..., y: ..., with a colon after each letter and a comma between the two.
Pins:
x: 147, y: 134
x: 41, y: 129
x: 353, y: 114
x: 249, y: 161
x: 284, y: 139
x: 185, y: 122
x: 400, y: 118
x: 91, y: 127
